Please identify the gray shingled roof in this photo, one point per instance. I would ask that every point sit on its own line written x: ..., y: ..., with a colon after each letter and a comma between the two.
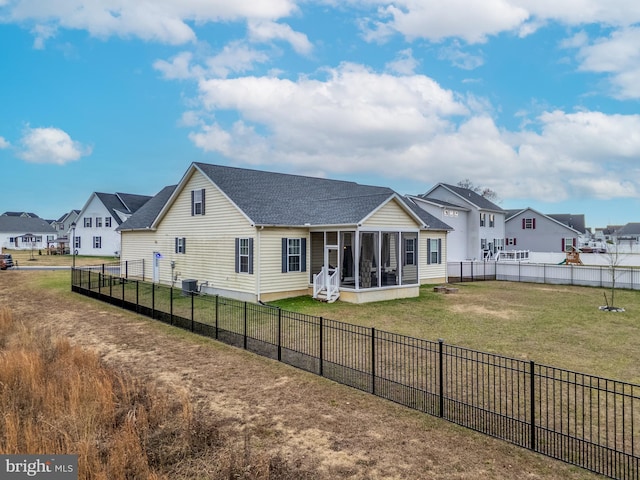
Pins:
x: 629, y: 229
x: 144, y: 217
x: 433, y: 223
x: 22, y: 225
x: 511, y: 212
x: 20, y: 214
x: 122, y: 202
x: 269, y: 198
x: 573, y: 221
x: 471, y: 196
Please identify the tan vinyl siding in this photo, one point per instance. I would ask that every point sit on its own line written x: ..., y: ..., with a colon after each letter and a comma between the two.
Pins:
x: 210, y: 239
x: 272, y: 279
x: 432, y: 273
x: 391, y: 215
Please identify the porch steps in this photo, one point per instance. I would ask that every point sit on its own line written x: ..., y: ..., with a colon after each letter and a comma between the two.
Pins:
x: 322, y: 296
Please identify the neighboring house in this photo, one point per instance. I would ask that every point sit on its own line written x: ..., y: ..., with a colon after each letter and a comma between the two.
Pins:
x: 528, y: 229
x: 478, y: 224
x: 63, y: 224
x: 607, y: 233
x: 19, y: 232
x: 628, y: 234
x: 21, y: 214
x: 260, y: 236
x: 95, y: 231
x: 63, y: 227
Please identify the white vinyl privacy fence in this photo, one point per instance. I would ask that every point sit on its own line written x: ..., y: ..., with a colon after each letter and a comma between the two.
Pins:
x: 585, y: 275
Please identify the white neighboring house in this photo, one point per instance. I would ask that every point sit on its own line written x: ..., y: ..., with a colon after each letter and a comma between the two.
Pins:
x: 25, y: 232
x: 478, y: 224
x: 95, y: 227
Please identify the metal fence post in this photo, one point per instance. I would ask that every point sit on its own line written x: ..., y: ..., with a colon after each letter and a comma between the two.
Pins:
x: 461, y: 272
x: 321, y: 347
x: 138, y: 298
x: 192, y: 319
x: 122, y: 293
x: 153, y: 299
x: 217, y: 313
x: 441, y: 376
x: 279, y: 334
x: 171, y: 305
x: 373, y: 360
x: 245, y: 326
x: 532, y: 379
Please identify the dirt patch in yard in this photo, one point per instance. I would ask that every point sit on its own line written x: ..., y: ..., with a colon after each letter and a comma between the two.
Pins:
x: 313, y: 424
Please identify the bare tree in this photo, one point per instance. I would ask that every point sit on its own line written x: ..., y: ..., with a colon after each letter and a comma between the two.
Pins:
x: 613, y: 263
x: 485, y: 192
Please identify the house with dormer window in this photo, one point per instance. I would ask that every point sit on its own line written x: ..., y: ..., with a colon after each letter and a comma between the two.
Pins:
x: 260, y: 236
x: 95, y: 232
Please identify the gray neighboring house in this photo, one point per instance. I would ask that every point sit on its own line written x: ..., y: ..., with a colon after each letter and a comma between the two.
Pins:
x: 478, y: 224
x: 628, y: 234
x: 20, y: 232
x: 528, y: 229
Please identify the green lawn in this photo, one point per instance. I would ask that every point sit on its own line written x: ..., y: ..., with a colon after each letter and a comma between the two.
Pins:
x: 550, y: 324
x: 554, y: 325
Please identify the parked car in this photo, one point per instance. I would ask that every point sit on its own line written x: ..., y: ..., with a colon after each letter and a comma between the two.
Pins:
x: 6, y: 261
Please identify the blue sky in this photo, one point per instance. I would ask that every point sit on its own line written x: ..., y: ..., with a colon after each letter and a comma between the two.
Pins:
x: 538, y: 100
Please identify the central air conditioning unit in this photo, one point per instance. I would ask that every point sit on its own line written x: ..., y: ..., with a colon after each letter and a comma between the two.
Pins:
x: 189, y: 286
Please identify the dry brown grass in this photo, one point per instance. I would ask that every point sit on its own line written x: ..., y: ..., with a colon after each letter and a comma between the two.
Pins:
x: 40, y: 258
x: 60, y: 399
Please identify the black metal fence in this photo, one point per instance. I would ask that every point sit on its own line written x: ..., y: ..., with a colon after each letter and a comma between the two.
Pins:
x: 581, y: 419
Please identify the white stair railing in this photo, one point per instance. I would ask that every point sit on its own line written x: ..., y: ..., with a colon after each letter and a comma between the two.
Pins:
x: 333, y: 286
x: 327, y: 281
x: 319, y: 280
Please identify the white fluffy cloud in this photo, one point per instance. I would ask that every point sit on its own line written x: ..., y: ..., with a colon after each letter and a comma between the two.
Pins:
x: 50, y: 145
x: 617, y: 55
x: 475, y: 21
x: 356, y: 120
x: 266, y: 30
x: 166, y: 21
x: 4, y: 143
x: 234, y: 58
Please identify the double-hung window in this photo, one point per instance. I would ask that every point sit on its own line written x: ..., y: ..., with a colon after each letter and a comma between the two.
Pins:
x: 180, y: 245
x: 528, y: 223
x: 434, y: 250
x: 568, y: 244
x: 98, y: 222
x: 294, y: 255
x: 197, y: 202
x: 409, y: 251
x: 87, y: 222
x: 97, y: 242
x: 483, y: 219
x: 244, y: 255
x: 107, y: 222
x: 492, y: 220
